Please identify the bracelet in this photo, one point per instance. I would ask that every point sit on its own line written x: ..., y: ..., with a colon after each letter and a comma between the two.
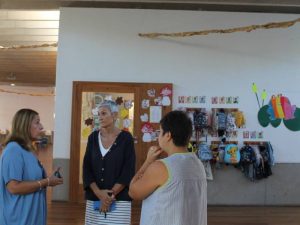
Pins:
x: 48, y: 181
x: 39, y: 182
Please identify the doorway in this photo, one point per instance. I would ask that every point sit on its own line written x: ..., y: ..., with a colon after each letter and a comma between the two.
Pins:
x: 146, y: 99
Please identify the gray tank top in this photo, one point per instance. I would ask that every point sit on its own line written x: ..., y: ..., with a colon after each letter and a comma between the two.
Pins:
x: 182, y: 200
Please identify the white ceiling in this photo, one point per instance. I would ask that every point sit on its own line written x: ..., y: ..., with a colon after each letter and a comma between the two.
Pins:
x: 36, y: 22
x: 30, y: 66
x: 19, y: 27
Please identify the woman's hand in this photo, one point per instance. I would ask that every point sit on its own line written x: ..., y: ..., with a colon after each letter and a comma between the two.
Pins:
x: 54, y: 180
x: 106, y: 197
x: 153, y: 154
x: 104, y: 208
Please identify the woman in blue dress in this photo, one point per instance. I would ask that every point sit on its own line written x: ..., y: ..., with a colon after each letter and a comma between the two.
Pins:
x: 23, y: 179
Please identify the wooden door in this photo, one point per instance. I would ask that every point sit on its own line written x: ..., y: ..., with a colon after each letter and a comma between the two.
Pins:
x: 139, y: 93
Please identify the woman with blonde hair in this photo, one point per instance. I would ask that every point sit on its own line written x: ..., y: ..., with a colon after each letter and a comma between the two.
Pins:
x: 23, y: 179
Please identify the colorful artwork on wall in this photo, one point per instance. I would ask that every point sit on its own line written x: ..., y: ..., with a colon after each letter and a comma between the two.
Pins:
x: 253, y: 134
x: 202, y: 99
x: 278, y: 109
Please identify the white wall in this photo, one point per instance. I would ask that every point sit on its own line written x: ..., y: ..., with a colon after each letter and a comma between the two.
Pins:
x: 10, y: 103
x: 103, y: 45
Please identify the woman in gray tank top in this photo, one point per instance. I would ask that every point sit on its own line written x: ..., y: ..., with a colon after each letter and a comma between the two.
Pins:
x: 173, y: 189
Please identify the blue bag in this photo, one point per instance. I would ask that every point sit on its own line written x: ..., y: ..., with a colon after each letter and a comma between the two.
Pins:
x: 232, y: 154
x: 97, y: 205
x: 204, y: 152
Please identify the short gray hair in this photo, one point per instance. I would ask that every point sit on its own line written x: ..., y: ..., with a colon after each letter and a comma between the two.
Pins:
x: 111, y: 105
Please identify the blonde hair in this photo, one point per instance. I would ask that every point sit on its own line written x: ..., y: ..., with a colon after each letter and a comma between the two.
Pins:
x: 20, y: 130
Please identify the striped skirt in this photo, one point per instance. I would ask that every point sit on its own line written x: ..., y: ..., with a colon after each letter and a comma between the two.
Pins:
x: 121, y: 215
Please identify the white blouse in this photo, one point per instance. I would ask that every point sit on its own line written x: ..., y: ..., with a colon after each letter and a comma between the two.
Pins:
x: 103, y: 150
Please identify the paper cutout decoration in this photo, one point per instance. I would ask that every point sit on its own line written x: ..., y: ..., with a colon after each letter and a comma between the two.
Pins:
x: 279, y: 109
x: 166, y: 101
x: 147, y: 129
x: 253, y: 135
x: 95, y: 111
x: 155, y: 135
x: 86, y: 132
x: 96, y: 122
x: 158, y: 101
x: 263, y: 96
x: 202, y: 99
x: 119, y: 100
x: 180, y: 99
x: 288, y: 109
x: 151, y: 93
x: 293, y: 124
x: 234, y: 134
x: 188, y: 99
x: 144, y: 117
x: 214, y: 100
x: 147, y: 137
x: 195, y: 99
x: 254, y: 90
x: 222, y: 100
x: 145, y: 103
x: 88, y: 121
x: 229, y: 100
x: 126, y: 123
x: 235, y: 100
x: 124, y: 113
x: 128, y: 104
x: 98, y: 99
x: 166, y: 92
x: 192, y: 99
x: 108, y: 98
x: 155, y: 114
x: 245, y: 134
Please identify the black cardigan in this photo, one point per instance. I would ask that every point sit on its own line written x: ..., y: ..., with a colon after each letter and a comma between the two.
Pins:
x: 117, y: 166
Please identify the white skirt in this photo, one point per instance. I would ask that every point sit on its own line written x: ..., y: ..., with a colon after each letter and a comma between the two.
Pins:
x: 120, y: 216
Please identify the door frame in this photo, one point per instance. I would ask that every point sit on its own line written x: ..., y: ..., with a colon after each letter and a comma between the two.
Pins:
x: 84, y: 86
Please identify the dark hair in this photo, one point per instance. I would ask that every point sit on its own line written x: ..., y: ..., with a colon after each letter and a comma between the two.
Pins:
x: 179, y: 125
x: 20, y: 131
